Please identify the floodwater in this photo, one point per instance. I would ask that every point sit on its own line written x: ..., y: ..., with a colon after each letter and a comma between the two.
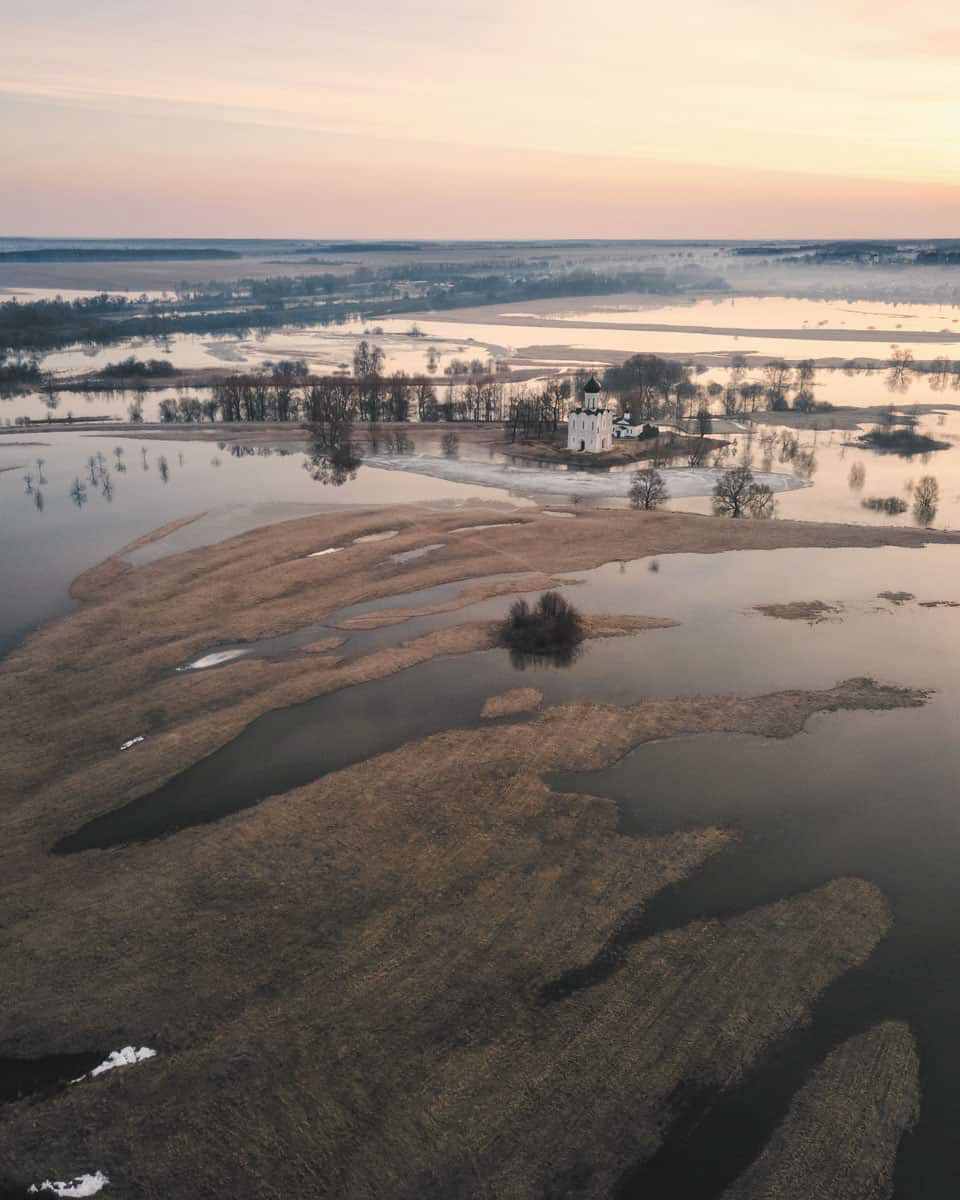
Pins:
x: 556, y: 334
x: 843, y: 473
x: 865, y: 794
x: 61, y: 522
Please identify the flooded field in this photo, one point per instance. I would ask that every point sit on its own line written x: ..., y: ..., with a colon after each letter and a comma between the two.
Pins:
x: 547, y: 336
x: 869, y: 795
x: 61, y: 514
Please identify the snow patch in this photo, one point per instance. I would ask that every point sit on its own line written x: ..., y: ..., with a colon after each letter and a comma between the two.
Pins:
x: 81, y: 1185
x: 126, y: 1057
x: 329, y: 550
x: 212, y: 660
x: 132, y: 742
x: 123, y: 1058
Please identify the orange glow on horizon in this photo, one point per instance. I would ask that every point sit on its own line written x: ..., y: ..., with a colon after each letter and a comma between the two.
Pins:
x: 467, y: 120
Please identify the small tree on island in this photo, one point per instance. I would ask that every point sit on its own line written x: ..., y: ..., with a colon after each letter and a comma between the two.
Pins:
x: 648, y: 489
x: 551, y: 630
x: 737, y: 494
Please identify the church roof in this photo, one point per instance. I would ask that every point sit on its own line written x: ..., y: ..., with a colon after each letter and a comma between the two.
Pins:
x: 593, y: 386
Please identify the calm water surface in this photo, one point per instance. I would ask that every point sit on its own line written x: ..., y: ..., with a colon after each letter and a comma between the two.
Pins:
x: 52, y: 529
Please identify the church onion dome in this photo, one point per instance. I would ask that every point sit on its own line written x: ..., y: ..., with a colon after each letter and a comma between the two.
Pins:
x: 593, y: 387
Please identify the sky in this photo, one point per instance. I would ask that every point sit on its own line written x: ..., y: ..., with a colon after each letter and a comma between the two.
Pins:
x: 454, y: 118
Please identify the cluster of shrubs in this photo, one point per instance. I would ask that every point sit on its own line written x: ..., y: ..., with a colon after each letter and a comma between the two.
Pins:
x: 138, y: 368
x: 549, y: 631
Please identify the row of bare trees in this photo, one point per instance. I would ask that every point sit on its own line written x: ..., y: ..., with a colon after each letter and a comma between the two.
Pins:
x: 265, y: 396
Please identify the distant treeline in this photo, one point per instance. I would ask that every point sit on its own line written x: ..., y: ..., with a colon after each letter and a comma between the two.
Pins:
x: 504, y: 289
x: 106, y: 254
x: 19, y: 371
x: 48, y: 324
x: 267, y: 304
x: 861, y: 252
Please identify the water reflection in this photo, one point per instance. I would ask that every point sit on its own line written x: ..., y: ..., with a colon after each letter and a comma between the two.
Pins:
x: 563, y: 656
x: 333, y: 464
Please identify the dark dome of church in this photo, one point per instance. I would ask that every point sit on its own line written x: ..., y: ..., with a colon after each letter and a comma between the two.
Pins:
x: 593, y: 386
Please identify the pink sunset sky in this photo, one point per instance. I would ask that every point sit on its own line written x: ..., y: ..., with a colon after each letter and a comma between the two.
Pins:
x: 419, y: 118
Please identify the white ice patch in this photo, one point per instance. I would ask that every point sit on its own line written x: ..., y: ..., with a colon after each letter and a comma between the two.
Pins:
x: 132, y: 742
x: 81, y: 1185
x: 212, y: 660
x: 329, y: 550
x: 681, y: 481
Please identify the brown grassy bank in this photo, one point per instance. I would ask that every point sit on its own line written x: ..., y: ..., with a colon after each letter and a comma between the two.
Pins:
x: 839, y: 1140
x: 342, y: 982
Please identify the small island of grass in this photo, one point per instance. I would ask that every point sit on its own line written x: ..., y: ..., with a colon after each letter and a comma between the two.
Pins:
x: 901, y: 441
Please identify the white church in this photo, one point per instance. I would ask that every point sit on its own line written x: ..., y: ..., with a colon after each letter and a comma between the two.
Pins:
x: 590, y: 427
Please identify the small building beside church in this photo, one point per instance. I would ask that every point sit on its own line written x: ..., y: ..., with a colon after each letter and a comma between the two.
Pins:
x: 590, y: 425
x: 625, y: 427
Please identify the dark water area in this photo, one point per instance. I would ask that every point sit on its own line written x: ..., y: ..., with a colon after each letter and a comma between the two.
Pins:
x: 845, y: 798
x: 40, y: 1077
x: 708, y: 595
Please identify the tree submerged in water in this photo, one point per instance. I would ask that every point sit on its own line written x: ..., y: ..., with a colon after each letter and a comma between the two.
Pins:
x: 550, y: 632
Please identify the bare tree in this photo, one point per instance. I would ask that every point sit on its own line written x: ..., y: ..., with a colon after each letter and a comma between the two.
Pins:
x: 732, y: 492
x: 648, y: 489
x: 697, y: 453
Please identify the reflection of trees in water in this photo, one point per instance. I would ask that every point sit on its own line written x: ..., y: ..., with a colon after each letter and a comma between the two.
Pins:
x: 333, y: 465
x: 926, y: 496
x: 565, y: 656
x: 38, y: 500
x: 78, y: 492
x: 549, y: 634
x: 858, y: 476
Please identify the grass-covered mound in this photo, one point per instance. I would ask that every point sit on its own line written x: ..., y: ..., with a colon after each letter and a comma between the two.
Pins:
x: 901, y: 441
x: 551, y: 630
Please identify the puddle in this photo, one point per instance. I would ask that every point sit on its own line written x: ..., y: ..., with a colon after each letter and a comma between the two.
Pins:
x: 420, y: 552
x: 23, y: 1077
x: 476, y: 528
x: 376, y: 537
x: 329, y: 550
